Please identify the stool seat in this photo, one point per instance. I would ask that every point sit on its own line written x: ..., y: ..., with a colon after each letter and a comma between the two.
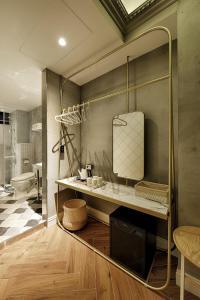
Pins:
x: 187, y: 240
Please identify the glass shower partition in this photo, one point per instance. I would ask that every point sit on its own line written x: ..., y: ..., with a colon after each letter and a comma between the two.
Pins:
x: 7, y: 152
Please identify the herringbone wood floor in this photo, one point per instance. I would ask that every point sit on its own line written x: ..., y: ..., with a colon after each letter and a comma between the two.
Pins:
x: 51, y: 264
x: 98, y: 235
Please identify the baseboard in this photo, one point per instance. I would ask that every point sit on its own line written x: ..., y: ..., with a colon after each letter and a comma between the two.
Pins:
x: 192, y: 284
x: 104, y: 218
x: 98, y: 215
x: 22, y: 235
x: 51, y: 221
x: 95, y: 213
x: 162, y: 243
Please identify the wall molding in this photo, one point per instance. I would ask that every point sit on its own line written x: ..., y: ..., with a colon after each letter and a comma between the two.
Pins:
x: 51, y: 221
x: 104, y: 218
x: 192, y: 284
x: 98, y: 215
x: 162, y: 243
x: 95, y: 213
x: 128, y: 22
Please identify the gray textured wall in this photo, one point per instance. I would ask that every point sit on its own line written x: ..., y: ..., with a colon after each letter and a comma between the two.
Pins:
x: 189, y: 114
x: 96, y: 132
x: 51, y: 107
x: 18, y: 133
x: 22, y: 126
x: 6, y: 164
x: 36, y: 137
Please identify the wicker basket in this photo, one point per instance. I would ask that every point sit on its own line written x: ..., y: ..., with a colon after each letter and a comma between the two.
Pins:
x: 152, y: 191
x: 75, y: 214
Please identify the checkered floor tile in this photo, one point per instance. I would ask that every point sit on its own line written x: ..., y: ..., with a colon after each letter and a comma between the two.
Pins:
x: 18, y: 214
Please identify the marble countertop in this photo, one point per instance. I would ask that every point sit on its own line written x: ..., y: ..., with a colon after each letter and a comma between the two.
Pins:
x: 118, y: 194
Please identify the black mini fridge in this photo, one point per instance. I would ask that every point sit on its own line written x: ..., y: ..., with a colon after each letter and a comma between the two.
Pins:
x: 133, y: 240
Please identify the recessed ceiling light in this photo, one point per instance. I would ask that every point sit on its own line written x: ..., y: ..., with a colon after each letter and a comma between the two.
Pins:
x: 62, y: 42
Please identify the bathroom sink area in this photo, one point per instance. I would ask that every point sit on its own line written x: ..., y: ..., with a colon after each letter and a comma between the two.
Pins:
x: 38, y: 166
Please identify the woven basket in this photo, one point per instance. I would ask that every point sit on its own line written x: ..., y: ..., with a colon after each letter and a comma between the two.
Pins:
x: 152, y: 191
x: 75, y: 214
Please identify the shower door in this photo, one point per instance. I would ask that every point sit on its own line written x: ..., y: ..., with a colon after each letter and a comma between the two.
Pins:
x: 7, y: 155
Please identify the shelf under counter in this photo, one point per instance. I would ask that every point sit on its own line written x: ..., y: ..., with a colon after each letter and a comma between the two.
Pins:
x: 119, y: 194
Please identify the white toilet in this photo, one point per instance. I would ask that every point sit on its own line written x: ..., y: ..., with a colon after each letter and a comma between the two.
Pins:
x: 23, y: 182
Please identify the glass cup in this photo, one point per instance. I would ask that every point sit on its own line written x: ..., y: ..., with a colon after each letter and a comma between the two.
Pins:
x: 99, y: 181
x: 95, y: 182
x: 89, y: 181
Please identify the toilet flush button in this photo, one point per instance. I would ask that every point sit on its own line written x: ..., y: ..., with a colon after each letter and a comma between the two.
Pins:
x: 26, y: 161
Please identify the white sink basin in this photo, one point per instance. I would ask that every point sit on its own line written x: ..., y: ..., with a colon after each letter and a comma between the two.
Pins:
x: 37, y: 166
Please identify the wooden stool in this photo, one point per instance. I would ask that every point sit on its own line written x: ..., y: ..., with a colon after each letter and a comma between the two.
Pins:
x: 187, y: 240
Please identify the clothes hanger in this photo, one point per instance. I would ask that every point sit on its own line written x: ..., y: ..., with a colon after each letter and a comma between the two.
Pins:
x: 56, y: 147
x: 119, y: 121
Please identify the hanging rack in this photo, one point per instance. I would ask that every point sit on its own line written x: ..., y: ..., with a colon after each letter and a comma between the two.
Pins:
x: 73, y: 115
x: 170, y: 146
x: 66, y: 117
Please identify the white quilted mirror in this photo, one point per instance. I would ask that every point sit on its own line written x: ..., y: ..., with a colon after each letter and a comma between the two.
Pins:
x: 128, y: 145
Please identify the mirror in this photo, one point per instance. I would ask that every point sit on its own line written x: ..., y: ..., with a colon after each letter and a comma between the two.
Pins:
x: 128, y: 145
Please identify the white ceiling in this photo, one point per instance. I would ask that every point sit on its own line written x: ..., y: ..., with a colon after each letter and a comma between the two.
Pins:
x: 29, y: 30
x: 131, y: 5
x: 143, y: 45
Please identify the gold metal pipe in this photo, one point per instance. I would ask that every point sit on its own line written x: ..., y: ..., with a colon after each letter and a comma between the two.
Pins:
x: 124, y: 90
x: 127, y: 92
x: 170, y: 149
x: 103, y: 255
x: 127, y: 82
x: 100, y: 253
x: 170, y: 159
x: 156, y: 28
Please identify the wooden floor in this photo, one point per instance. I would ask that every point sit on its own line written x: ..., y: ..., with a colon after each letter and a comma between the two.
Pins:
x: 51, y: 264
x: 97, y: 234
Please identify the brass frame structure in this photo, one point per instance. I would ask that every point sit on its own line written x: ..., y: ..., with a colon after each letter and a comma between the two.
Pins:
x: 170, y: 148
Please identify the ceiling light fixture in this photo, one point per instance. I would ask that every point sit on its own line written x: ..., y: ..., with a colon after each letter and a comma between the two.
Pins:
x: 62, y: 42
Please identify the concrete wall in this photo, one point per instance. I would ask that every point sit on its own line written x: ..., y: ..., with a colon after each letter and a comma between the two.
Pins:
x: 51, y: 107
x: 20, y: 121
x: 6, y: 165
x: 96, y: 132
x: 36, y: 137
x: 22, y: 126
x: 19, y: 131
x: 189, y: 115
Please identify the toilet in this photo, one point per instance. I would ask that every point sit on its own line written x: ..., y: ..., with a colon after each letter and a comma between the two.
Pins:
x: 23, y: 182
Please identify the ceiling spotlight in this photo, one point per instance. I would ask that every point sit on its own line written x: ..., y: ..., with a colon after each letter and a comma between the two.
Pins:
x: 62, y: 42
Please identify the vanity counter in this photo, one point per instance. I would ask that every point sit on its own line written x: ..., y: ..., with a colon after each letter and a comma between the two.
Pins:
x: 118, y: 194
